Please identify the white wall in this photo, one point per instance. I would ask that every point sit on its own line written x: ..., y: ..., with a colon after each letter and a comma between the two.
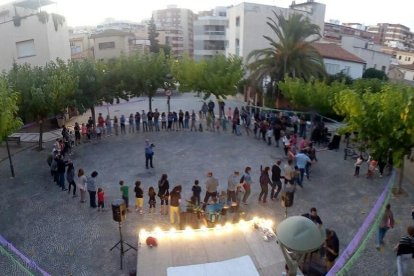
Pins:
x: 121, y: 47
x: 49, y: 44
x: 253, y: 25
x: 408, y: 74
x: 352, y: 69
x: 366, y: 51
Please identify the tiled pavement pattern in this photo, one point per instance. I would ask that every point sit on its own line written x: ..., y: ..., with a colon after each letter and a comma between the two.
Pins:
x: 68, y: 238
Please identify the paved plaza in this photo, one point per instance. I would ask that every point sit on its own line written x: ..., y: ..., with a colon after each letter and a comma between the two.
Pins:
x: 65, y: 237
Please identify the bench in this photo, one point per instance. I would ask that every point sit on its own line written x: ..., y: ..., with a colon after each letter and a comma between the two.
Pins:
x: 14, y: 139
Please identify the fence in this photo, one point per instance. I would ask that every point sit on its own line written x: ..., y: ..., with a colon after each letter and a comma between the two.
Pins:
x: 17, y: 261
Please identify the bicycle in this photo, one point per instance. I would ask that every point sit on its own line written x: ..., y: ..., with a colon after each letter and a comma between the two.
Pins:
x: 349, y: 151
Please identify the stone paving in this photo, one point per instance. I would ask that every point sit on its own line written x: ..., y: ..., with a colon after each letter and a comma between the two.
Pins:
x: 68, y: 238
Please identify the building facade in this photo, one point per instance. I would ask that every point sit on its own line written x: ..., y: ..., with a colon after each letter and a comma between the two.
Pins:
x: 177, y: 27
x: 334, y: 32
x: 247, y: 24
x: 368, y: 51
x: 338, y: 60
x: 210, y: 33
x: 30, y: 36
x: 393, y: 35
x: 81, y: 46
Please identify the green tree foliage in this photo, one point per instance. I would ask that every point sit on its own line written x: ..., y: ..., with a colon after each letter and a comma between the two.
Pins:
x: 312, y: 96
x: 9, y: 121
x: 384, y: 120
x: 372, y: 73
x: 44, y: 90
x: 152, y: 36
x: 218, y: 76
x: 290, y: 53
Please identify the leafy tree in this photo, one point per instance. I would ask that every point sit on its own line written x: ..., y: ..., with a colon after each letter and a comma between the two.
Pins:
x: 384, y: 120
x: 152, y: 36
x: 44, y: 90
x: 341, y: 77
x: 368, y: 85
x: 96, y: 84
x: 372, y: 73
x: 144, y: 74
x: 314, y: 95
x: 217, y: 75
x: 9, y: 120
x: 290, y: 53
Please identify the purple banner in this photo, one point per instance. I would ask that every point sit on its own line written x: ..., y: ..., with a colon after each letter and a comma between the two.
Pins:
x: 355, y: 242
x: 30, y: 263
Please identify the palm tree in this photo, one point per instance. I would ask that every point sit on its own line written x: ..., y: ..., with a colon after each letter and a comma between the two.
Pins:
x: 290, y: 53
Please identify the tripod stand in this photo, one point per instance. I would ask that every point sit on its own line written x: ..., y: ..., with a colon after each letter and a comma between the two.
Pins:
x: 121, y: 243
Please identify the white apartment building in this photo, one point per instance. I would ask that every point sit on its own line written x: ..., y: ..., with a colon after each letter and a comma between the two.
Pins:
x: 210, y: 33
x: 177, y: 27
x: 368, y: 51
x: 81, y: 46
x: 30, y: 36
x: 248, y: 24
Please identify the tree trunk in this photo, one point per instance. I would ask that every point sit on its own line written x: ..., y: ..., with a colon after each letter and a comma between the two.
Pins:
x: 150, y: 103
x: 400, y: 177
x: 40, y: 134
x: 93, y: 114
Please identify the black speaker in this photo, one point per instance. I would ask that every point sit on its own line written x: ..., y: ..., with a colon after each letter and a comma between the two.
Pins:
x: 118, y: 210
x: 334, y: 144
x: 287, y: 199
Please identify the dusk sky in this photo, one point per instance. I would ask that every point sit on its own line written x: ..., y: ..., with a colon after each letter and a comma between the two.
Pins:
x: 93, y: 12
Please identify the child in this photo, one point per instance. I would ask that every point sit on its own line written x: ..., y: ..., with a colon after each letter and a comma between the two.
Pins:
x: 358, y: 164
x: 151, y: 202
x: 196, y: 192
x: 101, y: 199
x: 269, y: 135
x: 217, y: 125
x: 223, y: 198
x: 125, y: 194
x: 372, y: 164
x: 139, y: 197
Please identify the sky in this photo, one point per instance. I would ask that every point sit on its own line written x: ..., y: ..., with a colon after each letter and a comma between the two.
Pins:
x: 93, y: 12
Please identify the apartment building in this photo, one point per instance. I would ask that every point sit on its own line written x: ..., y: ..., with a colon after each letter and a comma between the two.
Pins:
x: 368, y: 51
x: 210, y: 33
x: 81, y: 46
x: 393, y: 35
x: 247, y: 24
x: 176, y: 26
x: 31, y: 36
x: 111, y: 44
x: 334, y: 32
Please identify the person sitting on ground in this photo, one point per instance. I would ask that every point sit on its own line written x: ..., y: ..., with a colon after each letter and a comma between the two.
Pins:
x: 313, y: 216
x: 331, y: 247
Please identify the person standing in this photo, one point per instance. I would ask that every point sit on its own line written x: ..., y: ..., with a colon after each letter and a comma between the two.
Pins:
x: 276, y: 175
x: 193, y: 121
x: 101, y: 199
x: 163, y: 193
x: 70, y: 177
x: 61, y: 166
x: 247, y: 182
x: 302, y: 160
x: 156, y: 116
x: 232, y: 182
x: 116, y: 125
x: 91, y: 186
x: 386, y: 222
x: 122, y: 122
x: 125, y: 194
x: 331, y: 247
x: 196, y: 192
x: 405, y: 251
x: 139, y: 197
x: 144, y: 119
x: 82, y: 185
x: 264, y: 184
x: 149, y: 153
x: 77, y: 134
x: 175, y: 198
x: 211, y: 187
x: 131, y: 123
x: 137, y: 118
x: 108, y: 125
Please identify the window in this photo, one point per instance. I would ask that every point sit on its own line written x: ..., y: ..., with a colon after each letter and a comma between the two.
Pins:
x: 25, y: 48
x: 399, y: 57
x: 237, y: 21
x: 106, y: 45
x: 409, y: 58
x: 332, y: 69
x: 237, y: 47
x: 383, y: 68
